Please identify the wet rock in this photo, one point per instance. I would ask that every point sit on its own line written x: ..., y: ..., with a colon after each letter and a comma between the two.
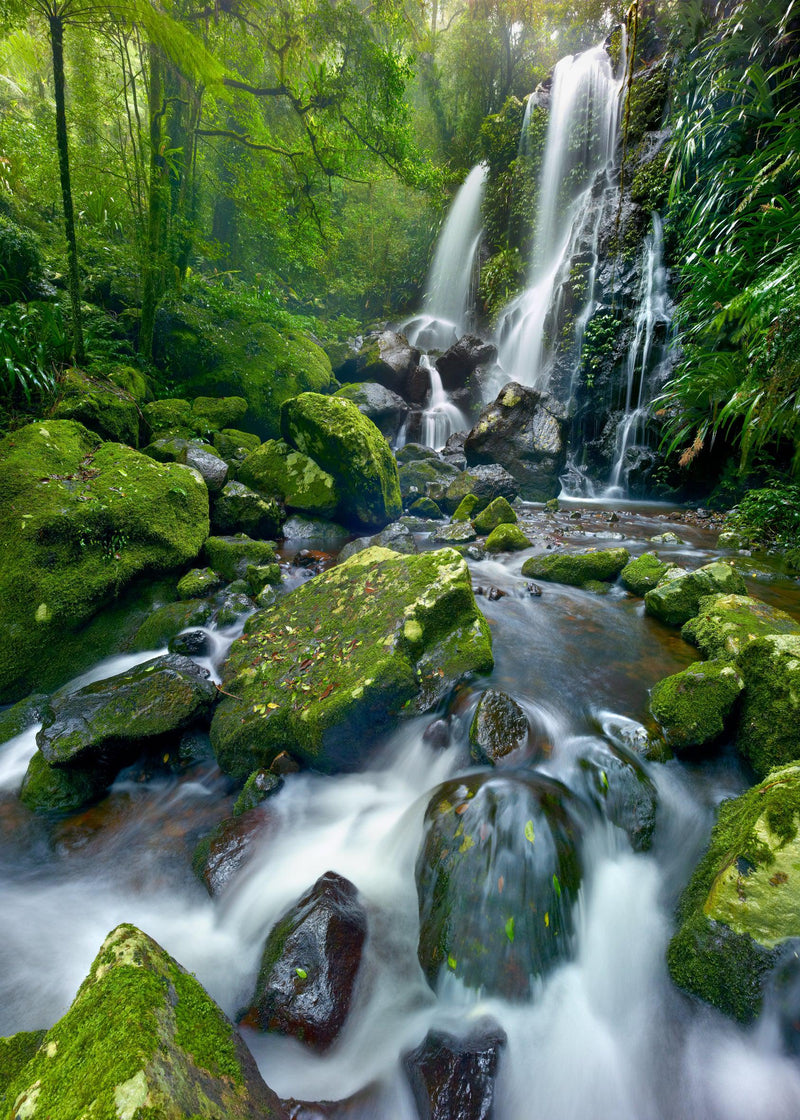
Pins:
x: 385, y: 409
x: 260, y: 576
x: 238, y: 509
x: 485, y: 482
x: 15, y: 720
x: 51, y: 790
x: 767, y: 733
x: 164, y: 623
x: 525, y: 431
x: 386, y: 357
x: 418, y: 385
x: 453, y: 450
x: 454, y: 1078
x: 142, y: 1036
x: 454, y: 533
x: 426, y: 508
x: 665, y: 538
x: 360, y: 544
x: 499, y: 728
x: 284, y: 764
x: 462, y: 359
x: 694, y: 707
x: 350, y: 448
x: 213, y: 469
x: 497, y: 877
x: 438, y: 734
x: 194, y: 747
x: 498, y: 512
x: 234, y: 604
x: 726, y: 624
x: 613, y: 780
x: 415, y: 452
x: 278, y: 471
x: 310, y: 964
x: 198, y: 583
x: 643, y: 573
x: 192, y: 643
x: 507, y: 538
x: 742, y: 905
x: 378, y: 635
x: 577, y: 568
x: 259, y: 786
x: 219, y: 857
x: 675, y: 600
x: 231, y: 556
x: 396, y: 537
x: 424, y: 478
x: 325, y: 535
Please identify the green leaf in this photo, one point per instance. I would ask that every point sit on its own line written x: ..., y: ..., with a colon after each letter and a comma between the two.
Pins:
x: 301, y: 972
x: 556, y: 886
x: 451, y: 962
x: 510, y: 929
x: 529, y: 833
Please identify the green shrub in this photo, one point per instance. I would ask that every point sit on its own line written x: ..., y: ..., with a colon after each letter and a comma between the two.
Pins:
x: 20, y: 261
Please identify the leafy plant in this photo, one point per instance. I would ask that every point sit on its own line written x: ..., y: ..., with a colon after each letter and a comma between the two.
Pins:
x: 771, y: 514
x: 33, y: 342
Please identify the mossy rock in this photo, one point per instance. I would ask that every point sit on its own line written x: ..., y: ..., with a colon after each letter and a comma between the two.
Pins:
x: 767, y: 733
x: 426, y: 508
x: 498, y: 512
x: 277, y: 470
x: 232, y: 556
x: 15, y: 1053
x: 168, y: 416
x: 358, y: 646
x: 466, y: 507
x: 233, y: 445
x: 199, y: 583
x: 216, y: 413
x: 726, y: 624
x: 675, y: 600
x: 99, y: 405
x: 743, y: 901
x: 259, y: 786
x: 643, y: 573
x: 332, y: 432
x: 499, y: 727
x: 414, y: 452
x: 694, y: 707
x: 454, y: 533
x: 507, y: 538
x: 141, y: 1039
x: 21, y: 716
x: 78, y: 523
x: 260, y: 576
x: 170, y: 449
x: 421, y: 475
x: 131, y: 380
x: 577, y: 568
x: 238, y: 509
x: 166, y: 621
x: 58, y: 792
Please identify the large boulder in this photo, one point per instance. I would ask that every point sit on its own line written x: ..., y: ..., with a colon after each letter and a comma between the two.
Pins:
x: 577, y: 568
x: 462, y: 359
x: 454, y: 1078
x: 643, y: 573
x: 79, y: 521
x: 525, y: 431
x: 332, y: 432
x: 142, y: 1038
x: 497, y: 877
x: 310, y: 964
x: 499, y: 728
x: 767, y: 733
x: 344, y: 655
x: 275, y: 469
x: 386, y: 410
x: 726, y: 624
x: 232, y: 556
x: 694, y: 707
x: 677, y: 598
x: 99, y: 405
x: 485, y: 483
x: 741, y: 909
x: 387, y: 358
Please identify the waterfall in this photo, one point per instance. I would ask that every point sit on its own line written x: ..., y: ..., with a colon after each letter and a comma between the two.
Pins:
x: 648, y: 357
x: 441, y: 417
x: 576, y: 175
x: 446, y: 305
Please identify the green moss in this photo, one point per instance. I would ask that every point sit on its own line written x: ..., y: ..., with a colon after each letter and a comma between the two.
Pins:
x: 46, y: 789
x: 577, y: 568
x: 238, y: 509
x: 507, y: 538
x: 643, y: 573
x: 217, y: 413
x: 426, y: 508
x: 232, y: 556
x: 424, y: 478
x: 168, y: 416
x: 650, y: 185
x: 726, y: 624
x: 465, y: 508
x: 675, y: 600
x: 348, y: 446
x: 167, y: 621
x: 78, y: 523
x: 498, y: 512
x: 260, y: 575
x: 768, y: 727
x: 343, y: 654
x: 22, y: 715
x: 198, y: 583
x: 15, y: 1053
x: 259, y: 786
x: 645, y: 105
x: 278, y: 470
x: 99, y: 405
x: 233, y: 445
x: 694, y: 707
x: 202, y: 1030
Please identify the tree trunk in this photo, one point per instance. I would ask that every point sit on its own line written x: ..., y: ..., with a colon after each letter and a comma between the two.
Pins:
x: 62, y: 142
x: 151, y: 269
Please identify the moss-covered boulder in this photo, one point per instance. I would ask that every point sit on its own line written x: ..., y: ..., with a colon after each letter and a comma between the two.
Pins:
x: 466, y: 507
x: 643, y: 573
x: 259, y: 786
x: 743, y: 901
x: 485, y: 483
x: 332, y: 432
x: 726, y: 624
x: 15, y: 1053
x: 675, y: 600
x: 169, y: 619
x: 170, y: 449
x: 426, y: 508
x: 277, y: 470
x: 507, y: 538
x: 58, y: 792
x: 346, y: 654
x: 99, y: 405
x: 233, y: 445
x: 198, y: 583
x: 769, y: 725
x: 498, y: 512
x: 217, y: 413
x: 421, y: 477
x: 22, y: 715
x: 171, y: 416
x: 385, y: 409
x: 694, y: 707
x: 232, y: 556
x: 577, y: 568
x: 79, y: 521
x: 141, y: 1039
x: 238, y: 509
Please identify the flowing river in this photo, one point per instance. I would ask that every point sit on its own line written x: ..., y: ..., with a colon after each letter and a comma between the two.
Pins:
x: 604, y: 1036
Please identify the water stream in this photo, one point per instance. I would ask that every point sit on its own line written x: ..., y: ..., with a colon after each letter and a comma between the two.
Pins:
x: 604, y: 1035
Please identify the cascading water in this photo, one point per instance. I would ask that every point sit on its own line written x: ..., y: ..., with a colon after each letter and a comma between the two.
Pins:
x: 440, y: 417
x: 576, y: 179
x: 446, y: 304
x: 648, y: 357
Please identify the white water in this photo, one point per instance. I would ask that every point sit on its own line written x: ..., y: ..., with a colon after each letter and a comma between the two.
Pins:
x: 576, y: 170
x: 447, y: 302
x: 643, y: 365
x: 440, y: 417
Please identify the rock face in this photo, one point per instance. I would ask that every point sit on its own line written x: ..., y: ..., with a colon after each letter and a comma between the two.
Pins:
x: 386, y: 410
x: 276, y: 470
x: 675, y: 600
x: 462, y: 359
x: 78, y: 522
x: 741, y: 909
x: 525, y: 431
x: 347, y: 445
x: 726, y: 624
x: 142, y: 1038
x: 694, y: 707
x: 100, y: 406
x: 496, y: 878
x: 577, y: 568
x: 767, y: 734
x: 453, y: 1078
x: 310, y: 964
x: 348, y: 651
x: 499, y: 727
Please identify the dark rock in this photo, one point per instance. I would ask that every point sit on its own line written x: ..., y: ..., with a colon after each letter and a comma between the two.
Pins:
x: 194, y: 747
x: 237, y: 509
x: 454, y: 1078
x: 15, y: 720
x: 525, y: 431
x: 284, y: 764
x: 231, y: 556
x: 259, y: 786
x: 165, y: 622
x: 326, y: 535
x: 425, y: 478
x: 453, y: 450
x: 397, y: 537
x: 426, y: 508
x: 193, y: 643
x: 457, y: 363
x: 418, y: 385
x: 486, y: 482
x: 385, y: 409
x: 615, y: 782
x: 386, y: 357
x: 220, y: 856
x: 499, y: 728
x: 438, y: 734
x: 310, y: 964
x: 413, y: 452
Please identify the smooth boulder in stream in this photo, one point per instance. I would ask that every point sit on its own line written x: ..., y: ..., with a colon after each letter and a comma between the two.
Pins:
x: 345, y: 655
x: 454, y: 1078
x: 142, y: 1038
